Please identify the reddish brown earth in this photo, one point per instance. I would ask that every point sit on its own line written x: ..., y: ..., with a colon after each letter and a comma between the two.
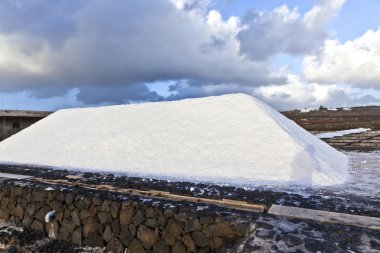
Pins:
x: 327, y: 120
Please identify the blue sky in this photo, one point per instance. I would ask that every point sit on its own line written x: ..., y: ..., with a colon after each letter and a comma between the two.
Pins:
x: 291, y: 54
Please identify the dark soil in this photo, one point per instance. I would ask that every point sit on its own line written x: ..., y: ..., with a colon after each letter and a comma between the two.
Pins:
x: 25, y: 240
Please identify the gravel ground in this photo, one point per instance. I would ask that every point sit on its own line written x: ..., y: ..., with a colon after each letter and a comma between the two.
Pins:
x: 14, y: 239
x: 276, y: 234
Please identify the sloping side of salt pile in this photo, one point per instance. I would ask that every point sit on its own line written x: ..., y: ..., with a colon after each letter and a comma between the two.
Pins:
x: 234, y: 139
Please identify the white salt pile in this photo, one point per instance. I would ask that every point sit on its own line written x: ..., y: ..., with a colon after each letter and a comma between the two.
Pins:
x: 232, y: 139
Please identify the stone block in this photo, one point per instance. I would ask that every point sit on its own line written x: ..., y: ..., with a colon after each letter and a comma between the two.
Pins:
x: 126, y: 216
x: 174, y: 227
x: 200, y: 239
x: 161, y: 247
x: 178, y: 247
x: 115, y: 208
x: 147, y: 236
x: 53, y: 229
x: 136, y: 247
x: 104, y: 217
x: 107, y: 234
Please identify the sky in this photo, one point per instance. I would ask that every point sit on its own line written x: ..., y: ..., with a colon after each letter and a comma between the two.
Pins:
x: 290, y: 54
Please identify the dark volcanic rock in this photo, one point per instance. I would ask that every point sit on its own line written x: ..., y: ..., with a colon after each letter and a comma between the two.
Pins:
x: 136, y: 247
x: 115, y: 246
x: 147, y: 236
x: 174, y: 227
x: 93, y: 240
x: 161, y: 247
x: 178, y: 247
x: 105, y: 217
x: 126, y: 216
x: 200, y: 239
x: 313, y: 245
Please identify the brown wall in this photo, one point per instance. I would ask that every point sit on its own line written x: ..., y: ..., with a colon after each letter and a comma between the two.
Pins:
x: 117, y: 224
x: 6, y: 125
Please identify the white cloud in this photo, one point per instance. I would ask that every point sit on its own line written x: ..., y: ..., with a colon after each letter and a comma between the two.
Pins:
x: 286, y: 31
x: 298, y: 93
x: 295, y: 94
x: 355, y: 62
x: 13, y: 59
x: 192, y: 5
x: 322, y: 13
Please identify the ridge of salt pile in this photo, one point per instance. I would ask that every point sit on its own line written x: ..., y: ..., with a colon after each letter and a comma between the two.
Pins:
x: 234, y: 139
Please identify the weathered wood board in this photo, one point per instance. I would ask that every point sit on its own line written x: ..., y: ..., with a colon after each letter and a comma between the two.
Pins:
x: 326, y: 217
x: 14, y: 176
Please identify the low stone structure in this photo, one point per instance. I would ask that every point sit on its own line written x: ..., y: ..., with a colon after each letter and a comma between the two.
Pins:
x: 365, y: 141
x: 118, y: 223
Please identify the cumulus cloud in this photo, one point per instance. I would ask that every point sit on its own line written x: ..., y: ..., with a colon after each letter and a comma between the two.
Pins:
x: 192, y: 5
x: 286, y: 31
x: 355, y: 62
x: 108, y: 51
x: 298, y: 93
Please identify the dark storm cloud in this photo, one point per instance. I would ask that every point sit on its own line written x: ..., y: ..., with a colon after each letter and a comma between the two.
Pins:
x: 39, y: 20
x: 116, y: 94
x: 115, y: 45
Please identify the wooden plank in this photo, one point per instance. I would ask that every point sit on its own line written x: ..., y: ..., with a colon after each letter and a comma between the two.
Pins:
x: 14, y: 176
x: 326, y: 217
x: 239, y: 205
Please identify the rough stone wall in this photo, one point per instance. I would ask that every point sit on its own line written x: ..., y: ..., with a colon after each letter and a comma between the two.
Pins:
x: 119, y: 225
x: 365, y: 141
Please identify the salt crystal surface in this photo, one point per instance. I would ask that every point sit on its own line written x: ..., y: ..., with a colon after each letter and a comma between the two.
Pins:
x: 234, y: 139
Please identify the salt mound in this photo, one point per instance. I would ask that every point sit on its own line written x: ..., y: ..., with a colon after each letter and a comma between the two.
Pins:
x: 233, y: 139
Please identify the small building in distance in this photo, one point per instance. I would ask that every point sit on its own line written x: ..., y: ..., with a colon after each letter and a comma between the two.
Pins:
x: 13, y: 121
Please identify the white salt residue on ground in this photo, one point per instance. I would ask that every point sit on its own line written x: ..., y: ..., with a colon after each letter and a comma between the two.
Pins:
x: 341, y: 133
x: 365, y: 175
x: 364, y: 179
x: 234, y: 139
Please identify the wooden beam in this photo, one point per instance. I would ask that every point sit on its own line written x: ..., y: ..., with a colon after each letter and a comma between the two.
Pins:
x: 239, y: 205
x: 14, y: 176
x: 326, y: 217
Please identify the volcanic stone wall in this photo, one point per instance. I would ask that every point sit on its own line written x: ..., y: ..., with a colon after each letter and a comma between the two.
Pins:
x: 365, y: 141
x: 119, y: 225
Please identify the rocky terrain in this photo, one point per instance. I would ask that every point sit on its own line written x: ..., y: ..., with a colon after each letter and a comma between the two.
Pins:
x: 366, y: 141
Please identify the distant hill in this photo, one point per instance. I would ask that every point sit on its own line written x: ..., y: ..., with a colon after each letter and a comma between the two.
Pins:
x: 324, y: 119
